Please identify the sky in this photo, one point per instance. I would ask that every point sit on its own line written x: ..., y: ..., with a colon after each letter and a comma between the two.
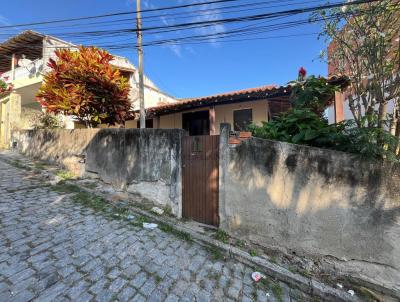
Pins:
x: 196, y: 69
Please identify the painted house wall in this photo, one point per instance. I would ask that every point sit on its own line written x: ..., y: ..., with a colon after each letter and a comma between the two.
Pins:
x: 28, y: 80
x: 223, y: 114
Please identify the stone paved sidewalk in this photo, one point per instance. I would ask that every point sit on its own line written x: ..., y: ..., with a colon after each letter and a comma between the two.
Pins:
x: 52, y: 249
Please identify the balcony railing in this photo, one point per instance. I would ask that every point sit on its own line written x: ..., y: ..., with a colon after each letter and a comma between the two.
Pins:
x: 32, y: 70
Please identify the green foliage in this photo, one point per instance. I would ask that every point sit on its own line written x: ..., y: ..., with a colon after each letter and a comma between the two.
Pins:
x: 65, y: 175
x: 46, y: 120
x: 315, y: 93
x: 97, y: 203
x: 240, y: 243
x: 369, y: 142
x: 85, y: 85
x: 170, y: 229
x: 303, y: 126
x: 4, y: 87
x: 298, y: 126
x: 277, y: 291
x: 222, y: 236
x: 253, y: 253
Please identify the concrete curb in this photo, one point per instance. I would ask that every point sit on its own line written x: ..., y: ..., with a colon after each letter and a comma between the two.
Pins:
x: 307, y: 285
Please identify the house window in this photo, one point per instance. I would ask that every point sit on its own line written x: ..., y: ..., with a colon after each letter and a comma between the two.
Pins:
x: 196, y: 123
x: 149, y: 123
x: 242, y: 118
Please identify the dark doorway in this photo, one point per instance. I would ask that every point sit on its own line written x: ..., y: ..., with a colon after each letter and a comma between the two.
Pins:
x: 149, y: 123
x: 196, y: 123
x: 200, y: 176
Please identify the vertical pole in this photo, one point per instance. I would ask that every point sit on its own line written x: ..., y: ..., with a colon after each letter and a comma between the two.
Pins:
x: 140, y: 53
x: 212, y: 120
x: 13, y: 57
x: 338, y: 106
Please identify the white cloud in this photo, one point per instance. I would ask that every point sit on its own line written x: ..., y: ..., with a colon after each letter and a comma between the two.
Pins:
x: 4, y: 20
x: 212, y: 13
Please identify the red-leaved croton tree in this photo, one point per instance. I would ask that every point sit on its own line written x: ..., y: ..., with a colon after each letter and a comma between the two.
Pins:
x: 85, y: 85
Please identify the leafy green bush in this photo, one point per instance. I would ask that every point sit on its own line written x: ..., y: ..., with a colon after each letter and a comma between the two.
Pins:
x: 305, y: 127
x: 315, y: 93
x: 299, y: 126
x: 369, y: 142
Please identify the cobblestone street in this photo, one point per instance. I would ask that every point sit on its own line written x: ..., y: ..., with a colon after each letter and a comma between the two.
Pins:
x: 52, y: 249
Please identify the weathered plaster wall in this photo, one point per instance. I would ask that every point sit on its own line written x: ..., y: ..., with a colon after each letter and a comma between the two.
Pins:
x: 312, y: 201
x: 144, y: 161
x: 64, y: 147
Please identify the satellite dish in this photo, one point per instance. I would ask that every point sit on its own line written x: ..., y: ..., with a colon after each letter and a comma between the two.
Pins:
x: 24, y: 62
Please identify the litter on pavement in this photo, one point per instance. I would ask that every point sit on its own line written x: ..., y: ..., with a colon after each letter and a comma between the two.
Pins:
x: 149, y: 226
x: 257, y: 276
x: 130, y: 217
x: 157, y: 210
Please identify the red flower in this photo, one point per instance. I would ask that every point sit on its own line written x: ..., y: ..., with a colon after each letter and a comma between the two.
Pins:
x: 302, y: 72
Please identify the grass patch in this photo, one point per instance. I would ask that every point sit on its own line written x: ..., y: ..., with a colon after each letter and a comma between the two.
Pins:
x: 90, y: 185
x: 273, y: 259
x: 253, y: 253
x: 213, y: 276
x: 367, y: 295
x: 216, y: 254
x: 40, y: 166
x: 292, y: 269
x: 277, y: 291
x: 264, y: 282
x: 305, y: 273
x: 66, y: 188
x: 95, y: 202
x: 222, y: 236
x: 170, y: 229
x: 158, y: 279
x: 168, y: 211
x: 19, y: 165
x: 65, y: 175
x: 138, y: 221
x: 240, y: 243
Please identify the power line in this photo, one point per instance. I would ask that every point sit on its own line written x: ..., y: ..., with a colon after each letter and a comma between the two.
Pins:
x: 116, y: 14
x: 207, y: 23
x: 221, y: 36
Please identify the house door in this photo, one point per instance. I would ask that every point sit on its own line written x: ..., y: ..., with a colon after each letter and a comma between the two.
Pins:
x: 196, y: 123
x: 200, y: 173
x: 4, y: 123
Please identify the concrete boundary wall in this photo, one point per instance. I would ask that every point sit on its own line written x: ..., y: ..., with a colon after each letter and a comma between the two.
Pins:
x: 144, y: 161
x: 313, y: 202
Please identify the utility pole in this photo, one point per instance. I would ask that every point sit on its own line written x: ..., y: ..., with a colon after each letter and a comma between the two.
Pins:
x: 140, y: 53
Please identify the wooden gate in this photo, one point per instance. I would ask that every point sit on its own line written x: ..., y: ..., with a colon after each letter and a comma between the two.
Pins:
x: 200, y: 178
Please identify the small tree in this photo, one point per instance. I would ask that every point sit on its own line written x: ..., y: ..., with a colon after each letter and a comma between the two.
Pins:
x: 85, y: 85
x: 365, y: 46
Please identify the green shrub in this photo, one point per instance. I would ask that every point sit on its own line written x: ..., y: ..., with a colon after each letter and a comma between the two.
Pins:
x: 305, y: 127
x: 298, y: 126
x: 315, y: 93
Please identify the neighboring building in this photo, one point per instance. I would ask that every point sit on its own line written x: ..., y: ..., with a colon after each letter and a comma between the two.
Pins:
x: 203, y: 116
x: 340, y: 110
x: 18, y: 107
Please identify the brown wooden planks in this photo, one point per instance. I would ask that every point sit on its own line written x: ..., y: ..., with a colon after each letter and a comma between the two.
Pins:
x: 200, y: 178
